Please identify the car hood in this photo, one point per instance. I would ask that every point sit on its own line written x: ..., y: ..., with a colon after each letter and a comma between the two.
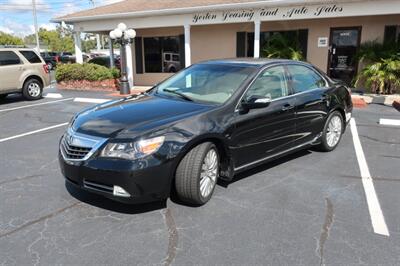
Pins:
x: 133, y: 115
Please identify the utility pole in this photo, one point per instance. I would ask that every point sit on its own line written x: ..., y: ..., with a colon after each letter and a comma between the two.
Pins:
x: 36, y: 25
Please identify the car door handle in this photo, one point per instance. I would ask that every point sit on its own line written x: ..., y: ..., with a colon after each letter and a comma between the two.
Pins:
x: 287, y: 107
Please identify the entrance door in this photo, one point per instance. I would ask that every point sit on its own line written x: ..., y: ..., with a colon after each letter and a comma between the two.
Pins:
x: 344, y: 43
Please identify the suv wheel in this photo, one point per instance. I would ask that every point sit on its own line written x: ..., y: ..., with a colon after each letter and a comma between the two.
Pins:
x: 32, y: 89
x: 332, y: 133
x: 197, y: 174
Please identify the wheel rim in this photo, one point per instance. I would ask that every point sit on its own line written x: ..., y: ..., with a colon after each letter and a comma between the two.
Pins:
x: 209, y: 173
x: 49, y: 66
x: 334, y: 131
x: 34, y: 89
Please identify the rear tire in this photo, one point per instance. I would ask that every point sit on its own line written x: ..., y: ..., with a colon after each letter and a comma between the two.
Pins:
x: 333, y: 131
x: 197, y: 174
x: 32, y: 89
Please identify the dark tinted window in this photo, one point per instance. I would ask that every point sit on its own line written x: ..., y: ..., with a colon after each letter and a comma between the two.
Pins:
x: 9, y: 58
x: 31, y: 56
x: 272, y: 83
x: 304, y: 78
x: 155, y: 49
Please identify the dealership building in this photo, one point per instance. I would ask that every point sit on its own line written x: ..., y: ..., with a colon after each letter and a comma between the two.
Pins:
x: 172, y: 34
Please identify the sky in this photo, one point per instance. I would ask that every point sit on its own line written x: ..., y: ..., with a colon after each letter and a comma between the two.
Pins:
x: 16, y: 15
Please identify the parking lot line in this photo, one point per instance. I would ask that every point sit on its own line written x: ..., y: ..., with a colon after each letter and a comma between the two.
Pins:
x: 33, y: 105
x: 389, y: 122
x: 33, y: 132
x: 53, y: 96
x: 90, y: 100
x: 375, y: 211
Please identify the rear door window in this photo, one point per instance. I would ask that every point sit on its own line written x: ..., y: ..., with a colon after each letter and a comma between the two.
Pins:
x: 305, y: 79
x: 31, y: 56
x: 8, y: 58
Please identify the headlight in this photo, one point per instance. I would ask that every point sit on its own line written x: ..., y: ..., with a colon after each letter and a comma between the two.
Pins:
x: 133, y: 150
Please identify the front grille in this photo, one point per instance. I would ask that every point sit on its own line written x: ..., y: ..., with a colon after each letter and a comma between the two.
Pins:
x: 74, y: 152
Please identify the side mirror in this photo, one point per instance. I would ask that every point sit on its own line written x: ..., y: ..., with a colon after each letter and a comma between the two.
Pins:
x: 255, y: 102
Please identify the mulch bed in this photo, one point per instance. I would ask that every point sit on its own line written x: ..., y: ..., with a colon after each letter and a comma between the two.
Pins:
x: 104, y: 85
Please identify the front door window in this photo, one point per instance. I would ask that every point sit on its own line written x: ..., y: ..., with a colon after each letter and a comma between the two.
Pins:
x: 343, y: 47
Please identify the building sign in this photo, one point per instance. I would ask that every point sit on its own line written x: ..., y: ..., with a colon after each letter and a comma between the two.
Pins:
x: 264, y: 14
x: 323, y: 42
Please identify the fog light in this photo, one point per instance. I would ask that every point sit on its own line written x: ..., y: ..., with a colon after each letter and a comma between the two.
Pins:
x: 120, y: 192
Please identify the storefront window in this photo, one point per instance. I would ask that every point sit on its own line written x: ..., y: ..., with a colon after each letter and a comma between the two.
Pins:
x: 162, y: 54
x: 298, y: 37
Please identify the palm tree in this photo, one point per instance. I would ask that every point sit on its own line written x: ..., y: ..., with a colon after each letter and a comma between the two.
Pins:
x: 281, y: 46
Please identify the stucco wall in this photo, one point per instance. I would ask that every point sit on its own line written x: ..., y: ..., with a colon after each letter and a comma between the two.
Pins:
x: 219, y: 41
x: 372, y: 28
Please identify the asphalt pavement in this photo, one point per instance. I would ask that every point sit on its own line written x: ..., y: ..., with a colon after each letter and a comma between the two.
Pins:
x: 309, y: 208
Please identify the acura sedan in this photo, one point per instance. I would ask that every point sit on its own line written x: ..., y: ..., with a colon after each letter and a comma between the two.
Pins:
x: 207, y: 122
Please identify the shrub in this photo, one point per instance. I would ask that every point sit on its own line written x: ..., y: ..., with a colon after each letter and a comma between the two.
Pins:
x: 90, y: 72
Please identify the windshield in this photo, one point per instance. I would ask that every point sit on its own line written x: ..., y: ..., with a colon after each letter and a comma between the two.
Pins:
x: 205, y: 83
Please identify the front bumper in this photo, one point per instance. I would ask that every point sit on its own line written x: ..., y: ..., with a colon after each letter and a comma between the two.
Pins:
x: 145, y: 180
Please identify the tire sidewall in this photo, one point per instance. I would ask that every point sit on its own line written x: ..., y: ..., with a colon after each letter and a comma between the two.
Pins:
x: 25, y: 89
x: 324, y: 140
x: 210, y: 146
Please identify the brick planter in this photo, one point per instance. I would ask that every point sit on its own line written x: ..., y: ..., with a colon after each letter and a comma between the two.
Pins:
x: 103, y: 85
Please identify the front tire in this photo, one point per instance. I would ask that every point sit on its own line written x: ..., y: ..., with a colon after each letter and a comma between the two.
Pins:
x: 197, y: 174
x: 332, y: 133
x: 32, y: 89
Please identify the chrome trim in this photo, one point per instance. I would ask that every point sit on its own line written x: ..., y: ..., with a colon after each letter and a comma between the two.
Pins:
x: 98, y: 187
x: 277, y: 154
x: 289, y: 88
x: 82, y: 141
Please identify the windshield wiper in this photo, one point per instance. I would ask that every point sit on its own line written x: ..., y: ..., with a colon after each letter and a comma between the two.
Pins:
x: 183, y: 96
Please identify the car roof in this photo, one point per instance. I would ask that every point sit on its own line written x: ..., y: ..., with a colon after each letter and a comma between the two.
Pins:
x: 250, y: 62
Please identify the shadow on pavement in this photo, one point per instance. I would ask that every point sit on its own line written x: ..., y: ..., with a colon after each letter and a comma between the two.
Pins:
x: 265, y: 167
x: 110, y: 205
x: 12, y: 98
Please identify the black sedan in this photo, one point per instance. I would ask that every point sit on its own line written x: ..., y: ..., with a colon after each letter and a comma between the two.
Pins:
x: 208, y: 122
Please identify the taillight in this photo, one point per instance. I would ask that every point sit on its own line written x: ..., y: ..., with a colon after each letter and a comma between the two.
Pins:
x: 46, y: 69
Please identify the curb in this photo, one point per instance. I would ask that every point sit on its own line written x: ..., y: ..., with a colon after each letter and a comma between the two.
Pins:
x: 358, y: 102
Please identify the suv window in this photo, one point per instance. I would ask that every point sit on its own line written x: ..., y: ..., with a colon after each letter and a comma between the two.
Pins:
x: 31, y: 56
x: 175, y: 58
x: 9, y: 58
x: 271, y: 83
x: 304, y: 78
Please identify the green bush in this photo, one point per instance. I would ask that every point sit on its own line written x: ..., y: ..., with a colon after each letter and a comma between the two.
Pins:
x: 90, y: 72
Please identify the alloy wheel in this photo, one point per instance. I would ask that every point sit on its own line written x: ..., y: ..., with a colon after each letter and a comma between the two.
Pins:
x: 334, y: 131
x: 34, y: 89
x: 209, y: 173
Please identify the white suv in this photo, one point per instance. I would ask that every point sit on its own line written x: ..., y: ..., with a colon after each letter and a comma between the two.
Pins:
x: 22, y: 70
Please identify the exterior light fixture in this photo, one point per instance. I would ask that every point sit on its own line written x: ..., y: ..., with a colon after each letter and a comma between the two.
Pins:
x: 123, y: 36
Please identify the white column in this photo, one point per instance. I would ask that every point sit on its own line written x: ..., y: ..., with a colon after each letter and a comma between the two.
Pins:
x: 111, y: 49
x: 188, y: 53
x: 98, y: 43
x: 129, y: 64
x: 78, y: 48
x: 257, y: 25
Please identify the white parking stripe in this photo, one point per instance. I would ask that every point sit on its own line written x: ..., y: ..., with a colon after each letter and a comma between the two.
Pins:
x: 377, y: 219
x: 32, y: 105
x: 389, y: 122
x: 90, y: 100
x: 32, y: 132
x: 53, y: 96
